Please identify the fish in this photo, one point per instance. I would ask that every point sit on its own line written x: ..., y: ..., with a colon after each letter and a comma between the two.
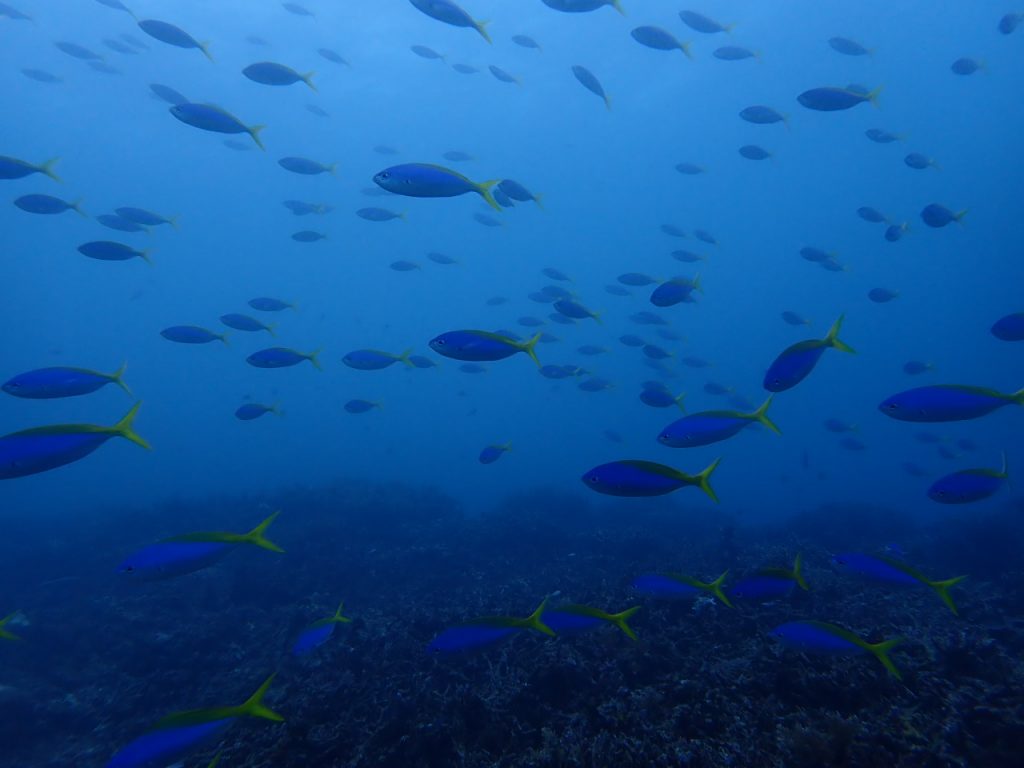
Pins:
x: 919, y: 162
x: 938, y: 216
x: 556, y: 274
x: 145, y: 218
x: 847, y: 46
x: 762, y: 115
x: 503, y: 76
x: 672, y: 230
x: 792, y: 318
x: 687, y: 257
x: 947, y: 402
x: 882, y: 295
x: 589, y: 81
x: 77, y: 51
x: 282, y: 357
x: 659, y: 397
x: 13, y: 168
x: 487, y: 630
x: 482, y: 346
x: 895, y: 232
x: 797, y: 361
x: 379, y: 214
x: 680, y: 586
x: 166, y: 32
x: 575, y: 310
x: 41, y: 449
x: 318, y: 111
x: 525, y: 41
x: 872, y: 215
x: 13, y: 13
x: 632, y: 340
x: 269, y: 304
x: 57, y: 382
x: 734, y: 53
x: 698, y: 22
x: 838, y: 426
x: 888, y: 570
x: 179, y: 735
x: 191, y: 552
x: 305, y: 166
x: 374, y: 359
x: 966, y: 66
x: 582, y: 6
x: 47, y: 205
x: 754, y: 152
x: 458, y: 156
x: 251, y: 411
x: 636, y: 279
x: 881, y: 136
x: 426, y: 180
x: 245, y: 323
x: 636, y: 478
x: 333, y: 56
x: 425, y: 52
x: 616, y: 290
x: 968, y: 485
x: 768, y: 583
x: 361, y: 406
x: 707, y: 427
x: 832, y: 99
x: 465, y: 69
x: 192, y: 334
x: 318, y: 633
x: 676, y: 290
x: 518, y: 192
x: 591, y: 349
x: 119, y: 223
x: 308, y: 236
x: 824, y: 638
x: 301, y: 208
x: 660, y: 40
x: 1009, y: 22
x: 208, y: 117
x: 647, y: 318
x: 690, y: 169
x: 419, y: 361
x: 449, y: 12
x: 595, y: 384
x: 574, y: 618
x: 492, y: 453
x: 272, y: 73
x: 1009, y: 327
x: 108, y: 250
x: 41, y: 75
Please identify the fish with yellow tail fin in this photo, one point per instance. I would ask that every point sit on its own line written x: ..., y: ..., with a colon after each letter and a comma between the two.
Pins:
x: 62, y: 381
x: 486, y: 631
x: 708, y: 427
x: 319, y: 632
x: 571, y: 619
x: 427, y: 180
x: 482, y: 346
x: 631, y: 477
x: 820, y: 637
x: 796, y: 362
x: 676, y: 586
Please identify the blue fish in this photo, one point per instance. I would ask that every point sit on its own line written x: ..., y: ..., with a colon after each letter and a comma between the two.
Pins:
x: 43, y: 448
x: 245, y: 323
x: 448, y: 12
x: 1010, y: 327
x: 191, y: 552
x: 305, y: 166
x: 678, y: 586
x: 144, y: 217
x: 675, y: 291
x: 13, y: 168
x: 47, y: 205
x: 938, y: 216
x: 947, y: 402
x: 282, y: 357
x: 770, y: 583
x: 361, y: 406
x: 657, y: 397
x: 572, y: 619
x: 179, y: 735
x: 582, y: 6
x: 172, y: 35
x: 109, y: 250
x: 269, y: 304
x: 887, y: 570
x: 119, y: 223
x: 6, y: 634
x: 660, y: 40
x: 251, y: 411
x: 486, y: 631
x: 426, y: 180
x: 575, y: 310
x: 207, y: 117
x: 831, y: 99
x: 271, y: 73
x: 968, y: 485
x: 819, y: 637
x: 734, y: 53
x: 635, y: 478
x: 374, y: 359
x: 521, y: 194
x: 49, y: 383
x: 318, y: 633
x: 492, y: 453
x: 589, y: 81
x: 192, y: 334
x: 797, y: 361
x: 482, y: 346
x: 707, y: 427
x: 168, y: 94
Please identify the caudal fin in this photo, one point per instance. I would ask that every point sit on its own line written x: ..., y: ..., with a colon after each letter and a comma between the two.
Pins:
x: 798, y: 573
x: 715, y: 588
x: 205, y: 48
x: 617, y: 5
x: 47, y: 168
x: 528, y: 347
x: 484, y: 189
x: 942, y: 590
x: 535, y: 619
x: 405, y: 358
x: 703, y: 480
x: 5, y: 634
x: 833, y: 340
x: 338, y: 618
x: 118, y: 378
x: 257, y: 538
x: 761, y: 416
x: 308, y: 80
x: 621, y: 620
x: 254, y: 131
x: 481, y: 27
x: 314, y: 358
x: 881, y: 652
x: 254, y: 706
x: 124, y: 429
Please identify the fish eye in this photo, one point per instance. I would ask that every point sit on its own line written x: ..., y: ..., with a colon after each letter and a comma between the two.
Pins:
x: 594, y: 478
x: 384, y: 175
x: 893, y: 406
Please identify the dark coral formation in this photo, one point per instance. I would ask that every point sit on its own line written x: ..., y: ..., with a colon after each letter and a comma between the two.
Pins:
x: 103, y: 658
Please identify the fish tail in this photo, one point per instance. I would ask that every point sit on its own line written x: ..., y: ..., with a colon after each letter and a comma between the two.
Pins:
x: 308, y: 80
x: 761, y: 416
x: 254, y: 131
x: 679, y: 401
x: 881, y: 651
x: 118, y: 378
x: 337, y: 618
x: 506, y: 446
x: 942, y: 590
x: 798, y: 572
x: 537, y: 200
x: 205, y: 48
x: 276, y: 409
x: 528, y: 347
x: 173, y: 221
x: 534, y: 620
x: 833, y: 340
x: 123, y: 428
x: 314, y: 358
x: 608, y: 102
x: 715, y: 588
x: 224, y: 339
x: 47, y: 168
x: 481, y: 27
x: 620, y: 620
x: 685, y: 48
x: 270, y: 329
x: 696, y: 284
x: 617, y: 5
x: 485, y: 192
x: 76, y: 206
x: 5, y: 634
x: 873, y: 96
x: 704, y: 480
x: 404, y: 357
x: 216, y: 759
x: 256, y: 537
x: 144, y: 255
x: 254, y: 706
x: 959, y: 215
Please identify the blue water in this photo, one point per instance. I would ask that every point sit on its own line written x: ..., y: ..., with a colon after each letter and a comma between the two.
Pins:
x: 608, y: 183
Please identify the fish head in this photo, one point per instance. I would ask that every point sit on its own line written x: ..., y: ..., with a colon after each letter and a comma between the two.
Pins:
x: 11, y: 387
